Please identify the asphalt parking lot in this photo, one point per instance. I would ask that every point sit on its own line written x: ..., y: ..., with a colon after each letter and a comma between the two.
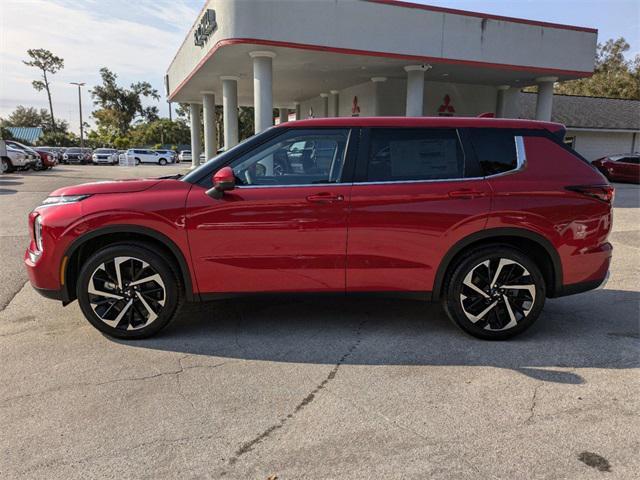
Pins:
x: 346, y: 389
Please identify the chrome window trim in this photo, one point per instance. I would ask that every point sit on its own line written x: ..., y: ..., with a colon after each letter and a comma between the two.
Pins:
x: 521, y: 163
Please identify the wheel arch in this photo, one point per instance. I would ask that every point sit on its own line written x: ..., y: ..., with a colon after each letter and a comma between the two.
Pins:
x: 539, y: 248
x: 87, y: 244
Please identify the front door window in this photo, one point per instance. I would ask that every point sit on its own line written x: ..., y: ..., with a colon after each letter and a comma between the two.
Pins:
x: 298, y: 157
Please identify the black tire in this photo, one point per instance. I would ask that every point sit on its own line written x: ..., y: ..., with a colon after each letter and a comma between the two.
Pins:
x: 162, y: 161
x: 6, y: 166
x: 137, y: 161
x: 514, y: 309
x: 161, y: 299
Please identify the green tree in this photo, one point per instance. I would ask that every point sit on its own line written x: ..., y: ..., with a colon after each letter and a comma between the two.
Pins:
x: 119, y: 106
x: 32, y: 117
x: 5, y: 134
x: 58, y: 138
x: 614, y: 75
x: 48, y: 63
x: 160, y: 132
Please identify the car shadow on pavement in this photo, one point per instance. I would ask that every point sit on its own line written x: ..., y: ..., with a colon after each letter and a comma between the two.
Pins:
x: 594, y: 330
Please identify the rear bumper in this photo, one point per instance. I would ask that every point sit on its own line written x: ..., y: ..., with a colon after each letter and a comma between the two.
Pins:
x: 581, y: 287
x: 586, y: 271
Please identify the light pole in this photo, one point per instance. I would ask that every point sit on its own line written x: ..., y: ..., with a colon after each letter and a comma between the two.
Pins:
x: 80, y: 85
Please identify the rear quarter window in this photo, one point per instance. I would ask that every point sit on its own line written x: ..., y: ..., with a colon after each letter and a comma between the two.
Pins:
x: 495, y: 149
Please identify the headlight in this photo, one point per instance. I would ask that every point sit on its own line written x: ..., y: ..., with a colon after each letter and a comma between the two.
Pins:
x: 62, y: 199
x: 37, y: 232
x: 65, y: 156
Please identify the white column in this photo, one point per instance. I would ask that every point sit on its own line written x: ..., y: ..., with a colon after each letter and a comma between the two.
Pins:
x: 500, y: 101
x: 335, y: 103
x: 324, y: 112
x: 415, y: 89
x: 544, y: 104
x: 230, y: 111
x: 262, y: 89
x: 283, y: 113
x: 377, y: 81
x: 195, y: 134
x: 298, y: 111
x: 209, y: 117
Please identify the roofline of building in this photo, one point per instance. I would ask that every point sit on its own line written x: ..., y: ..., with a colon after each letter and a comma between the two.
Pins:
x: 588, y: 96
x: 467, y: 13
x: 349, y: 51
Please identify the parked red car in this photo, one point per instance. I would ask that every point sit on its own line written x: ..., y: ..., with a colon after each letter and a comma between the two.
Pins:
x: 488, y: 216
x: 620, y: 168
x: 47, y: 159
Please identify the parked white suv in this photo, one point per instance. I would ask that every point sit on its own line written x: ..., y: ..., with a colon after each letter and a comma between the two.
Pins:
x: 105, y: 155
x: 184, y: 156
x: 140, y: 155
x: 12, y: 158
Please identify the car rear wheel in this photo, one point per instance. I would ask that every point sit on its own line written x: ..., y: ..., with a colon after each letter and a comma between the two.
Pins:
x: 128, y: 291
x: 162, y: 161
x: 494, y: 293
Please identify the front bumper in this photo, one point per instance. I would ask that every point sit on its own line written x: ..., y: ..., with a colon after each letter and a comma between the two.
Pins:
x: 50, y: 294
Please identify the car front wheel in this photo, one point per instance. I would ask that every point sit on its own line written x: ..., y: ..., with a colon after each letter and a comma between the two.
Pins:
x: 128, y: 291
x: 494, y: 293
x: 6, y: 166
x: 162, y: 161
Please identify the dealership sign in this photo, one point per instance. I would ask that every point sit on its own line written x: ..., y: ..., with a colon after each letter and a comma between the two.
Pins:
x: 205, y: 28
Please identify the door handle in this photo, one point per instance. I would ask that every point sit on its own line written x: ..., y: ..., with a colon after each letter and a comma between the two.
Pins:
x: 467, y: 193
x: 325, y: 197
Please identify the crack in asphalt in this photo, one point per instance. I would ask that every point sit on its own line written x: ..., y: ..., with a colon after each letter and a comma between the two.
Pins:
x: 534, y: 402
x: 6, y: 303
x: 177, y: 372
x: 248, y: 446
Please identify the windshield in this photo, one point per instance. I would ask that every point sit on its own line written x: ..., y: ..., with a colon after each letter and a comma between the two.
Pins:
x: 72, y: 150
x: 104, y: 150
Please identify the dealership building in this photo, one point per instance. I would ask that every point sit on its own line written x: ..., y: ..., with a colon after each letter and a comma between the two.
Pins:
x: 325, y: 58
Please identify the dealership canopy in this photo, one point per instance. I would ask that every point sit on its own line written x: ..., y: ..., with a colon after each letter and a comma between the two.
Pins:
x: 366, y: 57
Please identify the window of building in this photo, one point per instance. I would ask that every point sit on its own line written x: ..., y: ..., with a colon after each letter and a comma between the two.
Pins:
x: 414, y: 154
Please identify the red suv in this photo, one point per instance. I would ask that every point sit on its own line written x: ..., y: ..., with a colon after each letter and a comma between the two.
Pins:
x: 488, y: 216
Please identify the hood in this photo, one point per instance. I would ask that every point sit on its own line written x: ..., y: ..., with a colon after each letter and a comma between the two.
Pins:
x: 117, y: 186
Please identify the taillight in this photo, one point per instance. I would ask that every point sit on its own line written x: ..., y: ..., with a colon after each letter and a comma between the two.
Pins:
x: 601, y: 192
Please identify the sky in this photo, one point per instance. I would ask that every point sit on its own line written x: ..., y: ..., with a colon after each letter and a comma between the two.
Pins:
x: 137, y: 39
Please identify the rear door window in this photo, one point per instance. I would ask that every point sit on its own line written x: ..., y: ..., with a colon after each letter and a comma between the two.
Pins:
x: 495, y: 149
x: 414, y: 154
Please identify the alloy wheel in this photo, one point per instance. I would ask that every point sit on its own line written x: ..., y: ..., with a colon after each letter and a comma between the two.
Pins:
x: 497, y: 294
x: 126, y: 293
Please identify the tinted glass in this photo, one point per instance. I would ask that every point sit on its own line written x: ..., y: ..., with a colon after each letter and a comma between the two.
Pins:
x: 414, y: 154
x: 634, y: 160
x: 320, y: 160
x: 495, y: 149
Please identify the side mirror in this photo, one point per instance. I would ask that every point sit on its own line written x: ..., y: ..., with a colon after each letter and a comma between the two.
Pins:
x: 223, y: 180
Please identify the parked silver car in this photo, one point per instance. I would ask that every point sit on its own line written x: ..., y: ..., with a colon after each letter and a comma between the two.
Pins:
x: 14, y: 158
